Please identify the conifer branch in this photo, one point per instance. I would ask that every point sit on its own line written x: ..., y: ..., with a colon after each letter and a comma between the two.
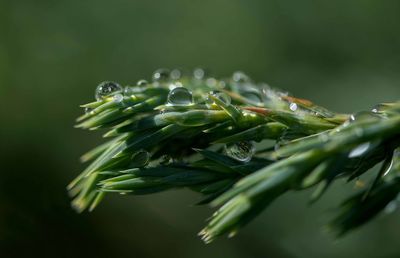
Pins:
x: 198, y: 132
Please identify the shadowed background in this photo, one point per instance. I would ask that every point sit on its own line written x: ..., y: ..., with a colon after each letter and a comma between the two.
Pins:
x: 344, y: 55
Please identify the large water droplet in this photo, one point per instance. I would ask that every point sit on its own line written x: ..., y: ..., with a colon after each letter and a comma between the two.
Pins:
x: 106, y: 89
x: 220, y: 95
x: 161, y: 75
x: 241, y: 151
x: 140, y: 159
x: 180, y: 96
x: 240, y: 77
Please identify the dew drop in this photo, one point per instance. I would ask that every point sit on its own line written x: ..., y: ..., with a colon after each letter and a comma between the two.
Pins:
x: 364, y: 115
x: 240, y: 77
x: 176, y: 74
x: 242, y: 151
x: 293, y: 106
x: 199, y: 73
x: 252, y: 96
x: 106, y: 89
x: 380, y: 108
x: 142, y: 83
x: 180, y: 96
x: 360, y: 150
x: 220, y: 95
x: 140, y: 159
x: 128, y: 90
x: 88, y: 110
x: 161, y: 75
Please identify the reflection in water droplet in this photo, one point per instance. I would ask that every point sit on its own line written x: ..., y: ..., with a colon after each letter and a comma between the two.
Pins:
x: 199, y: 73
x: 161, y: 75
x: 240, y: 77
x: 176, y: 74
x: 106, y: 89
x: 359, y: 150
x: 180, y: 96
x: 241, y: 151
x: 140, y: 159
x: 293, y: 106
x: 220, y: 95
x: 142, y: 83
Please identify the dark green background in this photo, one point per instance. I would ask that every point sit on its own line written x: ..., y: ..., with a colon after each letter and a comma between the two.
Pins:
x: 342, y: 54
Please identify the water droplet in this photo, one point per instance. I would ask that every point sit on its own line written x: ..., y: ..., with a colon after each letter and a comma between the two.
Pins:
x: 240, y: 77
x: 142, y: 83
x: 88, y: 110
x: 360, y: 150
x: 161, y: 75
x: 241, y: 151
x: 176, y: 74
x: 364, y: 115
x: 199, y: 73
x: 140, y: 159
x: 252, y: 96
x: 220, y: 95
x: 293, y: 106
x: 106, y: 89
x: 380, y: 108
x: 128, y: 90
x: 180, y: 96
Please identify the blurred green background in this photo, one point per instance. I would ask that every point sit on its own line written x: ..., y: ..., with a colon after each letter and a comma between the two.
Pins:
x: 342, y: 54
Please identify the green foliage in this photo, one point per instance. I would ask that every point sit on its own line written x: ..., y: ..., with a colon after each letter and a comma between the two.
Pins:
x: 199, y: 132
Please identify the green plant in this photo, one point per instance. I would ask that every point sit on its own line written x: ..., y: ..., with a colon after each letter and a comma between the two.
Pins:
x: 199, y: 132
